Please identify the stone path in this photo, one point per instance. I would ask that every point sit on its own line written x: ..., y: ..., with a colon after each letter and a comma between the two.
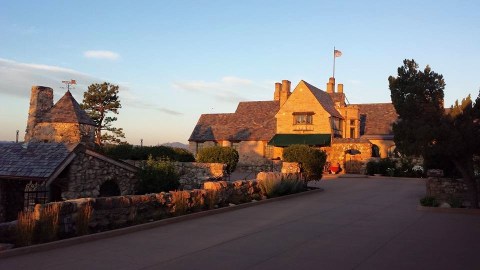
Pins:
x: 356, y: 223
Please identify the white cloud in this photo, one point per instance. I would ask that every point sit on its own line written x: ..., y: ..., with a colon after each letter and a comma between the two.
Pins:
x: 17, y: 78
x: 109, y: 55
x: 229, y: 88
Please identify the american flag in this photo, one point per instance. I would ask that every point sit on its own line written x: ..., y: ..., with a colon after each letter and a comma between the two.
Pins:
x: 337, y: 53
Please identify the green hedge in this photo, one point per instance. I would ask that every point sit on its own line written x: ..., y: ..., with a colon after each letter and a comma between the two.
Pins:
x: 128, y: 151
x: 219, y: 154
x: 157, y: 176
x: 311, y: 159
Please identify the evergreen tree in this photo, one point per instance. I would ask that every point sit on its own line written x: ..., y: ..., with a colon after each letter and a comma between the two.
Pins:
x: 423, y: 128
x: 98, y: 101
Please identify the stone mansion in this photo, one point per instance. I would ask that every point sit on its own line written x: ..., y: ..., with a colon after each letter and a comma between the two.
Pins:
x: 259, y: 130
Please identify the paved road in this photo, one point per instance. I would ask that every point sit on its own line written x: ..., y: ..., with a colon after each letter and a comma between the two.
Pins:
x: 354, y: 224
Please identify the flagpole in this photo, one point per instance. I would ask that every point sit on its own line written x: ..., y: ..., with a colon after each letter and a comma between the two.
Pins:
x: 333, y: 61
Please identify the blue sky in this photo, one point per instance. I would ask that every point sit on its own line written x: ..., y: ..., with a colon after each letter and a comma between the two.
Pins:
x: 175, y: 60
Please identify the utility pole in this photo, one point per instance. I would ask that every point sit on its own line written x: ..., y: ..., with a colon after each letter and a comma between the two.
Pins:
x: 16, y: 137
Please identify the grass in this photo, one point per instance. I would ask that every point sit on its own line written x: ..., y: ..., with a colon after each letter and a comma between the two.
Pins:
x: 25, y: 228
x: 83, y: 219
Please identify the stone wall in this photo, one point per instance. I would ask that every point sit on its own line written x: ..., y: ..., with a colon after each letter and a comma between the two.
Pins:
x: 269, y: 166
x: 194, y: 174
x: 446, y: 190
x: 87, y: 173
x: 350, y: 163
x: 120, y: 211
x: 63, y: 133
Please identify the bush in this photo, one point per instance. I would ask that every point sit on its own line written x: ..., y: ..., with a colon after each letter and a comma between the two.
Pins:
x: 429, y: 201
x: 384, y: 166
x: 128, y: 151
x: 312, y: 160
x: 219, y: 154
x: 157, y: 176
x: 275, y: 187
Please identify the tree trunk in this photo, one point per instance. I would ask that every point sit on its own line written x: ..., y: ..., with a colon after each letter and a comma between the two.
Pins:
x: 466, y: 169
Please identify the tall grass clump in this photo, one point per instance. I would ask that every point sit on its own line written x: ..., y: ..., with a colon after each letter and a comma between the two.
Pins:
x: 48, y: 223
x: 180, y: 201
x: 84, y: 216
x: 211, y: 199
x: 25, y: 228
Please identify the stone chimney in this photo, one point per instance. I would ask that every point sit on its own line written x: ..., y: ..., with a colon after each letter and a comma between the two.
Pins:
x: 41, y: 100
x: 284, y: 92
x: 340, y: 88
x: 331, y: 85
x: 278, y: 88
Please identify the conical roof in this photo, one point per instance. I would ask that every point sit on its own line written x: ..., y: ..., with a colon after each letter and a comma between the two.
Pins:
x: 67, y: 110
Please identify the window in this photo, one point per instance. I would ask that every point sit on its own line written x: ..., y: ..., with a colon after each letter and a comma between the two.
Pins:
x: 363, y: 123
x: 336, y: 125
x: 352, y: 122
x: 269, y: 151
x: 235, y: 145
x: 199, y: 146
x: 302, y: 118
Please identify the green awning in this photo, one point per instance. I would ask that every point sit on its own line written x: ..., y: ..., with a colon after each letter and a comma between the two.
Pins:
x: 283, y: 140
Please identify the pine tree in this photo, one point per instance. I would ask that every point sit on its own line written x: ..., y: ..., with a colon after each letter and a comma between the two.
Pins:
x: 98, y: 101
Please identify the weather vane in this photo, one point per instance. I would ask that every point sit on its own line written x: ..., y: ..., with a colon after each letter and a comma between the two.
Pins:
x: 69, y: 83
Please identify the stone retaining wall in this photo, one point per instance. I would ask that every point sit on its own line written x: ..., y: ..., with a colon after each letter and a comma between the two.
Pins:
x: 446, y: 190
x: 120, y: 211
x: 271, y: 166
x: 193, y: 174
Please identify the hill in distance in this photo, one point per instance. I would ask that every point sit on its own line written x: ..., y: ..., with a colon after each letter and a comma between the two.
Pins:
x: 176, y: 144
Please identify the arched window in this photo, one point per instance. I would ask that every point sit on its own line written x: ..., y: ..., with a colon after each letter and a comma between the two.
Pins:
x: 375, y: 151
x: 109, y: 188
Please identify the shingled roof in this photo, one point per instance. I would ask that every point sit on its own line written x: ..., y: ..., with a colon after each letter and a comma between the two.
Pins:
x: 254, y: 120
x: 67, y: 110
x: 324, y: 99
x: 379, y: 118
x: 33, y: 160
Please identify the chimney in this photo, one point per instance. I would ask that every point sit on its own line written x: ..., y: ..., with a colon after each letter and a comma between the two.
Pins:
x: 285, y: 91
x: 331, y: 85
x: 340, y: 88
x: 41, y: 100
x: 278, y: 88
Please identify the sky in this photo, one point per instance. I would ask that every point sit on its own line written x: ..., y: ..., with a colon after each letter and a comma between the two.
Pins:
x: 176, y: 60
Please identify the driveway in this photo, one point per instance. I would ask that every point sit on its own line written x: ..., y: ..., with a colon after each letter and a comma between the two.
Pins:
x: 356, y: 223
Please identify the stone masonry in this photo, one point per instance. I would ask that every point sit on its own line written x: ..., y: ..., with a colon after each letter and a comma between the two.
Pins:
x: 89, y: 171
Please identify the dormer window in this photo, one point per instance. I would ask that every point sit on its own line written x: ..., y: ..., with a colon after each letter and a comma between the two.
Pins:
x: 303, y: 118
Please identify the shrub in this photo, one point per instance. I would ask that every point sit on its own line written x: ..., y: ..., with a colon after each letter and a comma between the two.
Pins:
x: 384, y: 166
x: 312, y: 160
x: 219, y: 154
x: 429, y: 201
x: 278, y: 187
x: 157, y: 176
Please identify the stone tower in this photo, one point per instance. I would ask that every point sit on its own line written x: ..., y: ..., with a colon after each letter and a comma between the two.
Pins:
x: 64, y: 122
x: 41, y: 101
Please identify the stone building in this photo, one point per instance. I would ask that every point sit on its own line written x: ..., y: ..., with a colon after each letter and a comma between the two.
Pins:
x: 56, y: 161
x: 260, y: 130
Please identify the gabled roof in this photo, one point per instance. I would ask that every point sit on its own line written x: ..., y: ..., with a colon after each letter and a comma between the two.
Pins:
x: 324, y: 99
x: 379, y: 118
x: 36, y: 161
x: 253, y: 120
x: 67, y: 110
